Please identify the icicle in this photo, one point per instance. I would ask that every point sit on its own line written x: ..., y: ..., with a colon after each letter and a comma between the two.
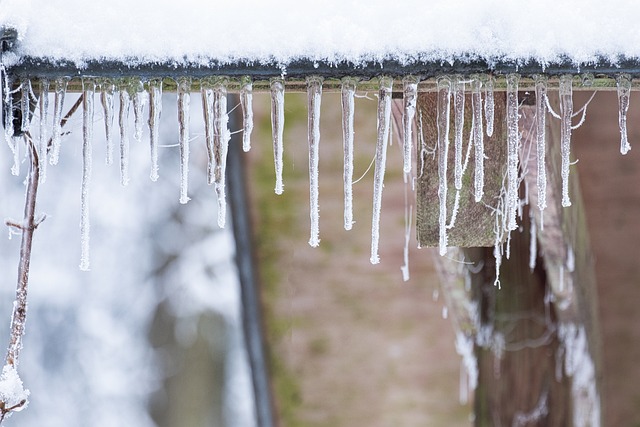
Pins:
x: 246, y: 101
x: 478, y: 138
x: 489, y: 104
x: 277, y: 128
x: 566, y: 112
x: 442, y: 123
x: 155, y: 110
x: 61, y: 90
x: 533, y: 241
x: 184, y: 88
x: 207, y: 110
x: 513, y: 142
x: 8, y: 110
x: 88, y: 88
x: 125, y: 102
x: 314, y: 94
x: 410, y: 86
x: 44, y: 139
x: 348, y: 93
x: 221, y: 136
x: 458, y: 106
x: 139, y: 99
x: 25, y: 95
x: 106, y: 98
x: 384, y: 121
x: 623, y: 83
x: 541, y: 114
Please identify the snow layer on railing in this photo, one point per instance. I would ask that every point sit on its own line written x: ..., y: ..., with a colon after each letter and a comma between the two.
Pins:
x: 280, y: 31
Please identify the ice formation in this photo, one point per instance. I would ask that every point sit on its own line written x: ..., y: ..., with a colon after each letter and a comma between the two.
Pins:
x: 277, y: 126
x: 184, y: 97
x: 107, y: 89
x: 314, y: 94
x: 410, y: 97
x: 478, y: 138
x: 458, y: 119
x: 123, y: 119
x: 88, y: 87
x: 348, y: 93
x: 155, y: 111
x: 566, y: 113
x: 624, y: 93
x: 246, y: 101
x: 442, y: 122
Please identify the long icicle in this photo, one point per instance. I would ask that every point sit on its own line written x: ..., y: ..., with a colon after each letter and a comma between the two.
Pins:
x: 384, y: 122
x: 125, y: 103
x: 139, y: 99
x: 314, y: 95
x: 348, y: 107
x: 410, y: 97
x: 246, y: 102
x: 207, y: 110
x: 623, y: 83
x: 277, y: 128
x: 541, y: 138
x: 458, y: 119
x: 478, y: 138
x: 442, y: 124
x: 184, y: 97
x: 489, y: 103
x: 43, y: 137
x: 88, y: 88
x: 25, y: 102
x: 566, y: 113
x: 513, y: 143
x: 107, y: 90
x: 155, y: 111
x: 221, y: 137
x: 58, y: 103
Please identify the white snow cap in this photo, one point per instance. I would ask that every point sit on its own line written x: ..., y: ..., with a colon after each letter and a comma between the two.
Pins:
x: 12, y: 393
x: 334, y: 30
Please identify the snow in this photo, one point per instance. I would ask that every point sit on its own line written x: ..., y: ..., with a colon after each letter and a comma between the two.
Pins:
x: 12, y: 392
x: 579, y: 30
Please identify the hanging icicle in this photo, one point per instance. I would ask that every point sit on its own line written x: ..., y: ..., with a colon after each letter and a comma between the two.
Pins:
x: 184, y: 97
x: 348, y: 106
x: 623, y: 84
x: 155, y: 111
x: 107, y: 90
x: 139, y: 97
x: 458, y: 119
x: 61, y: 90
x: 125, y: 102
x: 489, y: 104
x: 88, y: 90
x: 541, y: 115
x: 221, y: 137
x: 410, y: 97
x: 277, y: 128
x: 246, y: 102
x: 566, y: 113
x: 207, y: 109
x: 384, y: 122
x: 314, y: 95
x: 442, y: 124
x: 478, y: 138
x: 513, y: 144
x: 8, y: 109
x: 43, y: 143
x: 25, y: 104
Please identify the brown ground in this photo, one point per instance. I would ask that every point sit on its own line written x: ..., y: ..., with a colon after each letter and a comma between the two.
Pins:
x: 360, y: 347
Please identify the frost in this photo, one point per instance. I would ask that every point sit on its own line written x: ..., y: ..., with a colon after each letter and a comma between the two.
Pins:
x: 489, y: 104
x: 246, y: 101
x: 566, y: 113
x: 513, y: 143
x: 347, y: 96
x: 410, y: 96
x: 107, y: 89
x: 277, y: 128
x: 314, y: 94
x: 221, y: 137
x: 541, y: 114
x: 58, y: 103
x: 384, y: 122
x: 207, y: 111
x: 25, y: 103
x: 623, y: 83
x: 155, y: 111
x: 458, y: 119
x: 88, y: 87
x: 442, y: 123
x: 184, y: 88
x: 125, y: 103
x: 12, y: 392
x: 478, y: 138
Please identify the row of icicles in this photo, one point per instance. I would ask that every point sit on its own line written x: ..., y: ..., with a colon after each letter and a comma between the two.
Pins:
x: 217, y: 135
